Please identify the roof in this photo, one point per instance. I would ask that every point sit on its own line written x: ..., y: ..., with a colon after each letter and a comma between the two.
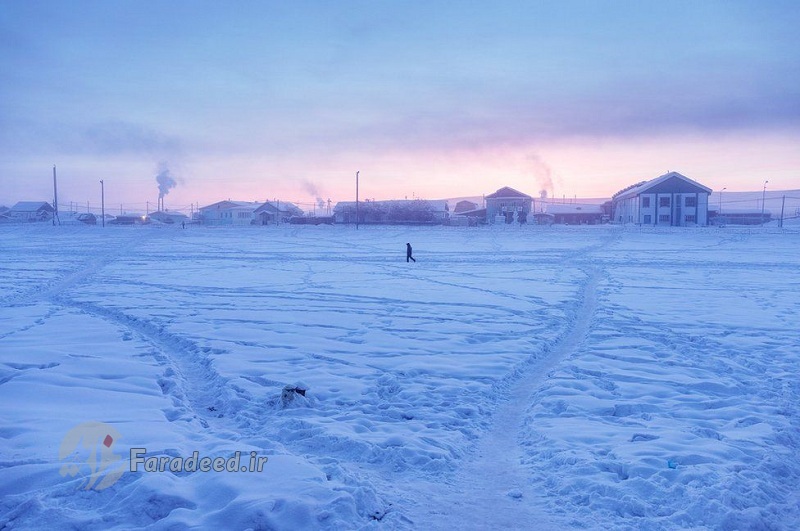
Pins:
x: 231, y: 204
x: 478, y: 212
x: 31, y: 206
x: 464, y: 206
x: 158, y: 215
x: 574, y: 208
x: 644, y: 186
x: 281, y: 206
x: 508, y: 192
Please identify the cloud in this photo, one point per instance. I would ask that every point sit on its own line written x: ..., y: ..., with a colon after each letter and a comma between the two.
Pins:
x: 119, y: 137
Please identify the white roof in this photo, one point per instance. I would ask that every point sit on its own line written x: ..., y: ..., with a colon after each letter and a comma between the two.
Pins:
x: 642, y: 187
x: 233, y: 205
x: 30, y: 206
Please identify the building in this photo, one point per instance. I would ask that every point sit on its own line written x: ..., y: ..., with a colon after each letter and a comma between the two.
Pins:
x: 229, y: 213
x: 169, y: 217
x: 401, y: 211
x: 508, y: 206
x: 575, y: 214
x: 671, y: 200
x: 29, y: 211
x: 740, y: 216
x: 272, y: 212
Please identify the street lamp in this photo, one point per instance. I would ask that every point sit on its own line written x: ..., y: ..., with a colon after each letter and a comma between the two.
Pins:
x: 763, y: 197
x: 720, y: 201
x: 103, y: 202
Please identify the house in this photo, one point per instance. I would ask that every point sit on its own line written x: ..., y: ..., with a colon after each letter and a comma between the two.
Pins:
x: 273, y: 211
x: 402, y: 211
x: 575, y: 214
x: 671, y: 200
x: 26, y: 211
x: 229, y: 213
x: 507, y: 206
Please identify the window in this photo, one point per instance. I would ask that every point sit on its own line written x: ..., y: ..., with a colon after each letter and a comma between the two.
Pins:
x: 690, y: 219
x: 691, y: 201
x: 645, y: 202
x: 648, y: 219
x: 663, y: 201
x: 663, y: 218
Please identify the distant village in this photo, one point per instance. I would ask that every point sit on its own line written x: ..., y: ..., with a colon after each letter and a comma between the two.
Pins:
x: 671, y: 200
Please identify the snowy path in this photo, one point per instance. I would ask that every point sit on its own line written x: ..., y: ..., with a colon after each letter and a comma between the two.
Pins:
x: 492, y: 488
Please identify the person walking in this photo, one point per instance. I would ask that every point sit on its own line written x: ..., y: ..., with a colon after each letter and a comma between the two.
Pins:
x: 408, y: 253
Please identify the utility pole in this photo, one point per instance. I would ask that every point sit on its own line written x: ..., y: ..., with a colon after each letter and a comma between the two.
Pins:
x: 783, y: 204
x: 357, y: 200
x: 103, y: 202
x: 720, y: 201
x: 55, y: 198
x: 763, y: 197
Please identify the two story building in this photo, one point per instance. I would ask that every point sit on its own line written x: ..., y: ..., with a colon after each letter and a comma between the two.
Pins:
x: 671, y: 200
x: 508, y: 206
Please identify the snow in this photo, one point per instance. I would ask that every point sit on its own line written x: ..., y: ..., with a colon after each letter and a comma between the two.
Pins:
x: 519, y: 377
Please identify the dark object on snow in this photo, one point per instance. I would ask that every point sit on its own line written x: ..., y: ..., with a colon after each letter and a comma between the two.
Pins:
x: 290, y: 392
x: 408, y: 253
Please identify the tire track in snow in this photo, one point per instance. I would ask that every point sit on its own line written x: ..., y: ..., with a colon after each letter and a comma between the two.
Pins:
x: 492, y: 489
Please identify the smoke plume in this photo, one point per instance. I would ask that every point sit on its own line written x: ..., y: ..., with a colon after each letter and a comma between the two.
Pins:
x: 543, y: 175
x: 310, y: 187
x: 165, y: 180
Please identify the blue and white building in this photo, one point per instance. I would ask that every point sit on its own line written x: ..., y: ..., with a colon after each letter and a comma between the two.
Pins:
x: 672, y: 200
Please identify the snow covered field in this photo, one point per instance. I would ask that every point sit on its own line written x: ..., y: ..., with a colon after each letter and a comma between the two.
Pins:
x: 521, y: 378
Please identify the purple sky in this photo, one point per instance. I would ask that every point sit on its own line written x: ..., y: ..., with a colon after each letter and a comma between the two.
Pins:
x: 257, y: 100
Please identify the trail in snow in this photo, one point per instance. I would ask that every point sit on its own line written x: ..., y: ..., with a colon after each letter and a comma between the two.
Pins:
x: 492, y: 489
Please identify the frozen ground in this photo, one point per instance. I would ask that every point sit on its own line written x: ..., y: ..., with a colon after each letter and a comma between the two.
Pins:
x: 521, y: 378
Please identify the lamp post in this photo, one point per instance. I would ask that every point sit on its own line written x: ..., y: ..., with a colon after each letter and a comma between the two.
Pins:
x: 720, y: 200
x: 103, y: 202
x: 763, y: 197
x: 357, y: 200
